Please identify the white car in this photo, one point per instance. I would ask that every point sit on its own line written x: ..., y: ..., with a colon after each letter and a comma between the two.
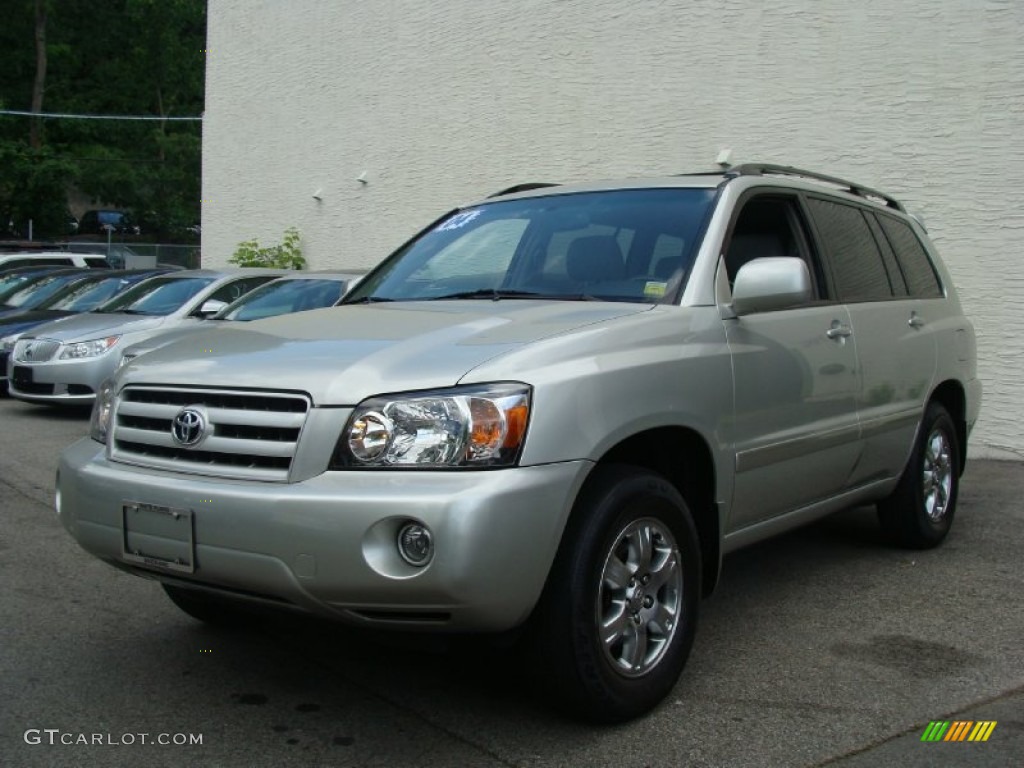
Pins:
x: 53, y: 258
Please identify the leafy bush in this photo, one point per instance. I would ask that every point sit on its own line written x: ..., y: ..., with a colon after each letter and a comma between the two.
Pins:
x: 286, y: 255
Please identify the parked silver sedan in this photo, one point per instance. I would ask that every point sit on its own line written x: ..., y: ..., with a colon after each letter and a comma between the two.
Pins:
x: 299, y: 292
x: 65, y: 361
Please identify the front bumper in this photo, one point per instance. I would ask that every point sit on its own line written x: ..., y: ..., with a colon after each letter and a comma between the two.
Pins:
x: 62, y: 381
x: 327, y: 545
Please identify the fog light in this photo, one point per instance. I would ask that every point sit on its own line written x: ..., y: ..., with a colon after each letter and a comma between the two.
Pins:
x: 415, y: 544
x: 56, y: 500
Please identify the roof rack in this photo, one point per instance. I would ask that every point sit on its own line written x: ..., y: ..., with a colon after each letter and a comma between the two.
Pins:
x: 522, y: 188
x: 763, y: 169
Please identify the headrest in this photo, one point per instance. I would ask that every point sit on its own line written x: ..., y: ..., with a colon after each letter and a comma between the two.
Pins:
x: 594, y: 259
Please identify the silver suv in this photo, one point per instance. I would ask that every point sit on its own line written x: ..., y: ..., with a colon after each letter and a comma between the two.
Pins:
x: 555, y: 410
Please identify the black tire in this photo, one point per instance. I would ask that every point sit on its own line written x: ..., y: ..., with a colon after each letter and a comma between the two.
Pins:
x: 919, y: 513
x: 208, y: 608
x: 593, y: 581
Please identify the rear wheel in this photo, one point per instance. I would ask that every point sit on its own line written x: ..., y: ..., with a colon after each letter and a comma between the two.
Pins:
x: 919, y: 513
x: 617, y: 621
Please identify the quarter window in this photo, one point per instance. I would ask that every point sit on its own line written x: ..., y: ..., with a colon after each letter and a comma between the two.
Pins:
x: 921, y: 279
x: 856, y: 262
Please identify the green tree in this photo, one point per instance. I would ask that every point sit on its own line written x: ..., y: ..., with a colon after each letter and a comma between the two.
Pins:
x: 122, y: 57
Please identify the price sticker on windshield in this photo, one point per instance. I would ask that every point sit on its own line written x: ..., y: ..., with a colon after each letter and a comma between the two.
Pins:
x: 458, y: 221
x: 654, y: 290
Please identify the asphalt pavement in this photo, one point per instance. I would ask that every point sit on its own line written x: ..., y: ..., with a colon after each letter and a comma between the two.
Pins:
x: 824, y: 647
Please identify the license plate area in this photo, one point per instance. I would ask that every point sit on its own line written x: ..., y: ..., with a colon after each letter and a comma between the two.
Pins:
x: 160, y: 537
x: 22, y: 375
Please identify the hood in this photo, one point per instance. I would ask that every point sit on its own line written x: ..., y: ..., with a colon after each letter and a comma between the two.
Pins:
x: 342, y: 355
x: 29, y: 318
x: 92, y: 325
x: 161, y: 336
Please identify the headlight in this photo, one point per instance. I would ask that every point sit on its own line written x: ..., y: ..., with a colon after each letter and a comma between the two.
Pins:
x: 472, y: 426
x: 93, y: 348
x: 7, y: 343
x: 102, y: 410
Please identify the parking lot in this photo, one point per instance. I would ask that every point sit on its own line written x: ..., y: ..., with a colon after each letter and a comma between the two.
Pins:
x: 823, y: 647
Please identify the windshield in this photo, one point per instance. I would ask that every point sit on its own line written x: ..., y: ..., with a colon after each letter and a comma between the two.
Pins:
x: 282, y: 297
x: 88, y: 294
x: 158, y: 296
x: 15, y: 281
x: 632, y: 245
x: 31, y: 296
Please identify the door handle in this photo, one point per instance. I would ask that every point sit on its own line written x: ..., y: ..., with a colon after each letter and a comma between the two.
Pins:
x: 915, y: 320
x: 839, y: 331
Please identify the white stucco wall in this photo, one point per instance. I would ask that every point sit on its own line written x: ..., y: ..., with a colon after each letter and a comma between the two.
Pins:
x: 441, y: 103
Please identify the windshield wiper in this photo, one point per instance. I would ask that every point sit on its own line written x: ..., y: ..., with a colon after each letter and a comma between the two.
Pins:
x: 368, y: 300
x: 496, y: 294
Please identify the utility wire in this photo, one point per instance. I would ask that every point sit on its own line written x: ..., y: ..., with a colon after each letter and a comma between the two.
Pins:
x: 19, y: 113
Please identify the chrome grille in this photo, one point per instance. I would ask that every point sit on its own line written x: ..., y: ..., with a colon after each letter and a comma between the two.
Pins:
x: 246, y: 434
x: 35, y: 350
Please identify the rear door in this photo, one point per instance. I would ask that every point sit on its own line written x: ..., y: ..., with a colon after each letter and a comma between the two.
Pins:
x: 896, y: 351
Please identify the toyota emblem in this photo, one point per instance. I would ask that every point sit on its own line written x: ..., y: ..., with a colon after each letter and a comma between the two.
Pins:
x: 188, y: 426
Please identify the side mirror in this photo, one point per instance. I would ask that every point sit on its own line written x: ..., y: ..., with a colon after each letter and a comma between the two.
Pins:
x: 211, y: 307
x: 771, y: 283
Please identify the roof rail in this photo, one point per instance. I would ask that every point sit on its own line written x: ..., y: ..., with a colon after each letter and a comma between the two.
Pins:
x: 522, y: 188
x: 763, y: 169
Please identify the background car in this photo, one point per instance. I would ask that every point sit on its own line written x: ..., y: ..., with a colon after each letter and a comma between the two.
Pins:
x: 64, y: 362
x: 36, y: 291
x: 294, y: 293
x: 100, y: 222
x: 80, y: 296
x: 14, y: 260
x: 18, y: 277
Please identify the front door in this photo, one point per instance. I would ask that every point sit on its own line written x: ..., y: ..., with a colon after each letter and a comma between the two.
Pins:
x: 795, y: 429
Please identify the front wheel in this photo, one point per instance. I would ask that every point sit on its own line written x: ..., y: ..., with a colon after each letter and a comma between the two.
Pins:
x: 617, y: 620
x: 919, y: 513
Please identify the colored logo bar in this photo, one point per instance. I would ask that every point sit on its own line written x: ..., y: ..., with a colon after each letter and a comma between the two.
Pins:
x: 958, y: 730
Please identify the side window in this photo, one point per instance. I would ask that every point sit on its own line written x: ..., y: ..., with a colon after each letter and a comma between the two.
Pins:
x: 922, y: 281
x: 855, y: 259
x: 771, y: 226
